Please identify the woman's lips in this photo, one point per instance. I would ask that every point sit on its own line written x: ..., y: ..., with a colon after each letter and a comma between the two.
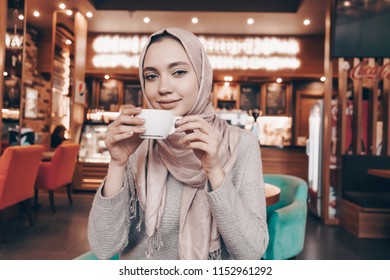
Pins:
x: 168, y: 104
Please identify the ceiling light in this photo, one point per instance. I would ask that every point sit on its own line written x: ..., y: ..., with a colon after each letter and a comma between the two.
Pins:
x: 68, y: 42
x: 106, y: 77
x: 322, y: 79
x: 36, y: 14
x: 279, y: 80
x: 195, y: 20
x: 62, y: 6
x: 146, y: 19
x: 347, y: 3
x: 5, y: 74
x: 228, y: 78
x: 250, y: 21
x: 89, y: 14
x: 69, y: 12
x: 306, y: 22
x: 21, y: 17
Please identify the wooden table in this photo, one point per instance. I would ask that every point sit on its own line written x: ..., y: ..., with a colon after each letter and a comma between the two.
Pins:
x: 47, y: 156
x: 384, y: 173
x: 272, y: 194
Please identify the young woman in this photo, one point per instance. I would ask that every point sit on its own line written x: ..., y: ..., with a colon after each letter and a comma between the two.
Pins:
x: 199, y: 194
x: 58, y: 136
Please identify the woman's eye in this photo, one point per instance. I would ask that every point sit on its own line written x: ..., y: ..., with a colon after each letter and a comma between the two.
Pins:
x: 150, y: 77
x: 179, y: 72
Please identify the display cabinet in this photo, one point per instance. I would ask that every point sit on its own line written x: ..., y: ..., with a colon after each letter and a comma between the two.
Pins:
x: 93, y: 157
x: 92, y: 147
x: 226, y: 96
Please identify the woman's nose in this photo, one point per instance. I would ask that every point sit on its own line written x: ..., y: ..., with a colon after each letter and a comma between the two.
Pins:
x: 165, y: 85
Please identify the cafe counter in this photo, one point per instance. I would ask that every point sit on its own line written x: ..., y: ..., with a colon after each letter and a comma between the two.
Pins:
x: 288, y: 160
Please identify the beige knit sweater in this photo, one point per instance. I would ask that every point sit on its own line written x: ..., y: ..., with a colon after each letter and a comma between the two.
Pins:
x: 238, y: 207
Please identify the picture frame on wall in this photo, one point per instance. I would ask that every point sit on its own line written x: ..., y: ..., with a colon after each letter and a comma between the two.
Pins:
x: 31, y: 108
x: 109, y: 95
x: 250, y: 95
x: 275, y: 99
x: 132, y: 94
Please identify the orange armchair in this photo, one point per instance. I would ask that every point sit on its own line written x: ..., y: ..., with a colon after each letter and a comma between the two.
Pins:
x: 58, y: 172
x: 18, y: 171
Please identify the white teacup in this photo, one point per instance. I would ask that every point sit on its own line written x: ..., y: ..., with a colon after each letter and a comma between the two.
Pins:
x: 158, y: 123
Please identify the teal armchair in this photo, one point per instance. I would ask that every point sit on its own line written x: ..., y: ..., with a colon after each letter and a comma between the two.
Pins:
x: 91, y: 256
x: 287, y: 218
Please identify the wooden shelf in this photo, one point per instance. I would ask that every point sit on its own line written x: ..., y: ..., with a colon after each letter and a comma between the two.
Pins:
x: 227, y: 101
x: 89, y: 175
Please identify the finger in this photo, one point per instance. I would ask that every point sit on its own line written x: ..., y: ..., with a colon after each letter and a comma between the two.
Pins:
x: 120, y: 137
x: 201, y: 146
x: 130, y: 120
x: 191, y: 118
x: 188, y: 119
x: 126, y: 120
x: 127, y: 106
x: 130, y: 110
x: 122, y: 132
x: 113, y: 138
x: 195, y: 136
x: 126, y: 128
x: 193, y: 126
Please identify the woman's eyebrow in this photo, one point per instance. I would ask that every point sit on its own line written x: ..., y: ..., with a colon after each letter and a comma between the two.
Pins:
x: 149, y: 69
x: 170, y: 65
x: 177, y: 63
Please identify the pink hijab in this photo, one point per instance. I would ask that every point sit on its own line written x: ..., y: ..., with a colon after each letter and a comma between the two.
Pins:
x: 155, y: 159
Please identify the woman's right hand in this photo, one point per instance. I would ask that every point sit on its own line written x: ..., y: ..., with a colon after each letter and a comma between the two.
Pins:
x: 122, y: 138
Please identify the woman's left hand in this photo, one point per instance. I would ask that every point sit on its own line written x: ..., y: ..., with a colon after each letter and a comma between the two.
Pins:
x: 201, y: 137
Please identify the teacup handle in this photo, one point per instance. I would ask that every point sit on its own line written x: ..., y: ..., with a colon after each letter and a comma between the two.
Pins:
x: 175, y: 119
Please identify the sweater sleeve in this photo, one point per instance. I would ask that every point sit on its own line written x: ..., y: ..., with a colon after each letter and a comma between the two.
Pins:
x: 109, y: 221
x: 238, y: 205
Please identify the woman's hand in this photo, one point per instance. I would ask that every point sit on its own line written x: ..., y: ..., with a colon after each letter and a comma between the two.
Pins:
x: 122, y: 138
x: 201, y: 137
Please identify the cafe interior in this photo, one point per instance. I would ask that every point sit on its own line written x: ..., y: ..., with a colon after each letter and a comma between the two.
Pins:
x: 309, y: 78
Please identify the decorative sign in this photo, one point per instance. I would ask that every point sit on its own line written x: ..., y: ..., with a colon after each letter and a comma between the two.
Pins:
x: 117, y: 51
x: 366, y: 71
x: 31, y: 109
x: 269, y: 53
x: 80, y: 92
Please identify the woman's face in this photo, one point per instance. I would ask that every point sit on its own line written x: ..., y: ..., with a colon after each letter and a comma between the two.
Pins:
x: 170, y: 80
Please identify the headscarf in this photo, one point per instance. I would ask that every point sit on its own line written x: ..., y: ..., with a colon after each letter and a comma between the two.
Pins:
x: 155, y: 159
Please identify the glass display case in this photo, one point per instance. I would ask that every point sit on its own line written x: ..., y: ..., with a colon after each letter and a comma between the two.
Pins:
x: 92, y: 146
x: 234, y: 117
x: 274, y: 130
x: 93, y: 157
